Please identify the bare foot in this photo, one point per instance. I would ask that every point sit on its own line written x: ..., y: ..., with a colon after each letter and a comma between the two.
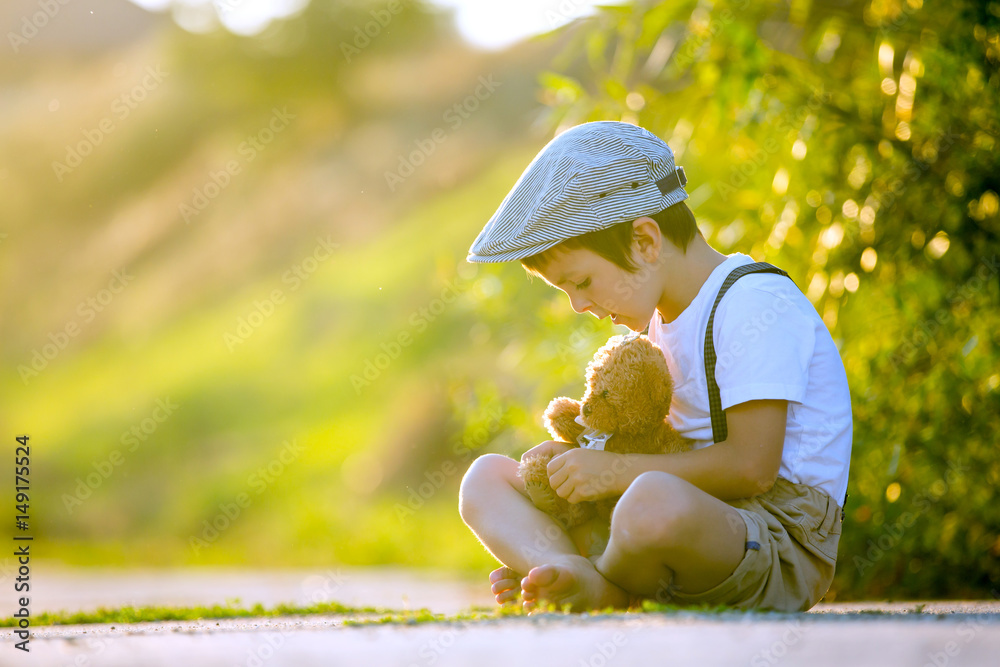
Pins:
x: 573, y: 580
x: 505, y: 585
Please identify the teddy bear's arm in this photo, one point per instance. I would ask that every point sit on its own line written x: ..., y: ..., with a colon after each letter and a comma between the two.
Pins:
x: 560, y: 418
x: 532, y: 472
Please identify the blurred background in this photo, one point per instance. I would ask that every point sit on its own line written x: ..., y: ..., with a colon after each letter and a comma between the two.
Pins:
x: 236, y: 317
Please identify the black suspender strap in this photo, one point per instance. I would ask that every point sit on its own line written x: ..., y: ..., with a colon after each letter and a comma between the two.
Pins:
x: 720, y: 431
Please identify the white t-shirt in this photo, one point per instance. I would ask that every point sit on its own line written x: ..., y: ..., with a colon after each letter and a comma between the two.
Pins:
x: 770, y: 343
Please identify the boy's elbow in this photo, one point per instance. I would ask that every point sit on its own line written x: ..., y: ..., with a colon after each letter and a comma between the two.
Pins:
x: 759, y: 481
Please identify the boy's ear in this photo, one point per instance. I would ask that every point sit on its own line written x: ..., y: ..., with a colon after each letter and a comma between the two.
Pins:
x: 647, y: 233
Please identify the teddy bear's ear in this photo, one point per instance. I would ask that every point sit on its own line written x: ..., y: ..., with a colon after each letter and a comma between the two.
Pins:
x: 655, y: 364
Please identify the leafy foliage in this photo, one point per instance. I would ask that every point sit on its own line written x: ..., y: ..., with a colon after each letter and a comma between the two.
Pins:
x: 852, y: 143
x: 855, y: 145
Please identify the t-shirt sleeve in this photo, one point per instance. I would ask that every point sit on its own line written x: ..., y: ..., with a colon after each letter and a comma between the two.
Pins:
x: 764, y: 344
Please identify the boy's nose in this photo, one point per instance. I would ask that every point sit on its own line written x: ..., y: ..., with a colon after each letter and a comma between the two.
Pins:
x: 579, y: 305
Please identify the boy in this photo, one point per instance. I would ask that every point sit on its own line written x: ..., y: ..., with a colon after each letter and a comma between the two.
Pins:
x: 751, y: 516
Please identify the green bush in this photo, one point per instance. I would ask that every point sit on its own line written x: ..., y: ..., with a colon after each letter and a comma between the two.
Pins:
x: 854, y: 144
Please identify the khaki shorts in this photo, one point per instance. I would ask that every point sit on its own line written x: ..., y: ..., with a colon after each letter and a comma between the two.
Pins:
x: 793, y: 531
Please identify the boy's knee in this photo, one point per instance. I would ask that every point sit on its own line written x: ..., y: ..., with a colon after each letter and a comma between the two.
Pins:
x: 480, y: 478
x: 656, y: 487
x: 650, y: 512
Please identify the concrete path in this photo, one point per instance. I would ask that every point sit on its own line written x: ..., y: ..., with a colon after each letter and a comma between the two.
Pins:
x: 942, y: 634
x: 56, y: 588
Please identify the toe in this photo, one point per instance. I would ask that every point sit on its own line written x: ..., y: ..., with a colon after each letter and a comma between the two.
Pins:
x: 503, y: 585
x: 528, y: 589
x: 502, y: 573
x: 543, y: 575
x: 506, y: 596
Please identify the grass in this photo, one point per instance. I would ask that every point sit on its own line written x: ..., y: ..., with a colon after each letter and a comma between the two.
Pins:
x: 507, y: 611
x: 131, y: 614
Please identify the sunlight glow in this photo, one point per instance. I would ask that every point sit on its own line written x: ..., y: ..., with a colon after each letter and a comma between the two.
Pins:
x: 243, y: 17
x: 487, y: 24
x: 495, y: 25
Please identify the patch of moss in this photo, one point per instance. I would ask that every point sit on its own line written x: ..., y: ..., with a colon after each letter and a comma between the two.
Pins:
x: 130, y: 614
x: 421, y: 616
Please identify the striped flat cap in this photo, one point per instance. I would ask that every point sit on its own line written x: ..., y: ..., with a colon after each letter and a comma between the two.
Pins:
x: 589, y: 177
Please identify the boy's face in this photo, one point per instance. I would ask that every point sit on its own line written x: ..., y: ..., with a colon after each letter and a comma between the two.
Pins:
x: 602, y: 288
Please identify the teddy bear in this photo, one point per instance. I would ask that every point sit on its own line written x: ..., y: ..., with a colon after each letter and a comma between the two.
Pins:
x: 623, y: 410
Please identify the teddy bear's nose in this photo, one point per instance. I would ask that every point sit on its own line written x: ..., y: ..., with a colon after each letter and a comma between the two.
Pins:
x: 586, y: 409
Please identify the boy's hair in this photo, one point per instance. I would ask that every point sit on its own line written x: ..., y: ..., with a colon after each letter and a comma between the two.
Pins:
x: 614, y: 243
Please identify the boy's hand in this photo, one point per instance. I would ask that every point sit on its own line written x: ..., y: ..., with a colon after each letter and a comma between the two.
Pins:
x: 587, y: 474
x: 553, y: 447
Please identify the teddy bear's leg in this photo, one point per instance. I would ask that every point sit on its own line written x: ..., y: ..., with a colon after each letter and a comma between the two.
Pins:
x: 598, y: 544
x: 605, y: 506
x: 592, y: 537
x: 595, y: 532
x: 545, y: 499
x: 568, y: 514
x: 536, y: 483
x: 577, y: 513
x: 601, y: 526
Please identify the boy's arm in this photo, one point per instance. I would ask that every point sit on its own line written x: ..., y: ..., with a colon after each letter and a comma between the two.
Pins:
x: 745, y: 464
